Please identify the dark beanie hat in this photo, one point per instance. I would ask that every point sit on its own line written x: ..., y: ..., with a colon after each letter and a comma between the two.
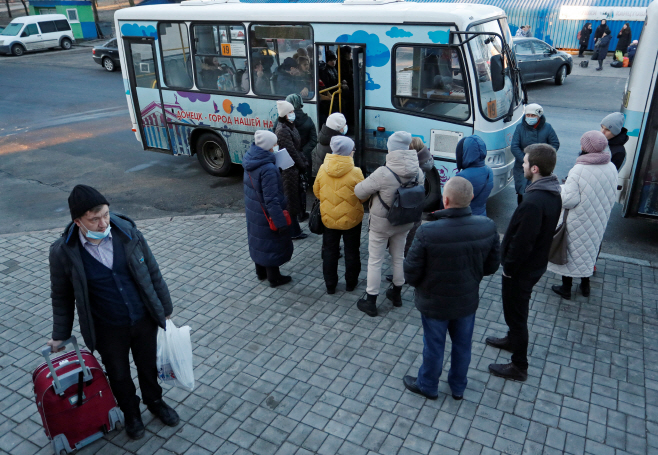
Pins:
x: 84, y: 198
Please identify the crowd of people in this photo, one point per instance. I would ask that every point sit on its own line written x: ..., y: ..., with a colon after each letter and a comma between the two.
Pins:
x: 102, y: 265
x: 602, y: 37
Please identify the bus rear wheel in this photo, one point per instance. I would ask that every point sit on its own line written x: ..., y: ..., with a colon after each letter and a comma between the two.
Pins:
x: 432, y: 191
x: 213, y: 155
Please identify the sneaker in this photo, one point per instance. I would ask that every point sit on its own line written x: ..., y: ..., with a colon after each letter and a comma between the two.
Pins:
x: 411, y: 386
x: 508, y: 371
x: 564, y: 293
x: 500, y: 343
x: 283, y: 279
x: 164, y: 412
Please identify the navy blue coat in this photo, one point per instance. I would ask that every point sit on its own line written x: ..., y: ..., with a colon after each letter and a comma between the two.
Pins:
x: 266, y: 247
x: 525, y: 135
x: 471, y: 153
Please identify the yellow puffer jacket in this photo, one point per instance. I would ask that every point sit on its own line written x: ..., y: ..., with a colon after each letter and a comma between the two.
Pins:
x: 334, y: 186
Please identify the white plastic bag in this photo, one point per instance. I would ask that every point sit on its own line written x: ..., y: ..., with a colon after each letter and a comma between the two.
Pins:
x: 174, y: 356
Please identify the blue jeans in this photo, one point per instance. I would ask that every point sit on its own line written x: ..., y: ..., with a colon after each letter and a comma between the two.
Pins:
x: 434, y: 341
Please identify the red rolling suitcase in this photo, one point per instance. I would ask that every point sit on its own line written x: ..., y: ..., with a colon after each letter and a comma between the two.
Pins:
x: 74, y: 399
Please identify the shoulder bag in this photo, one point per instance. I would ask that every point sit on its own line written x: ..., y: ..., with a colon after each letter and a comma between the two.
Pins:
x: 315, y: 224
x: 558, y: 252
x: 269, y: 220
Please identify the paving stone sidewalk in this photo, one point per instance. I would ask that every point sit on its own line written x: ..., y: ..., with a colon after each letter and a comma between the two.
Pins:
x: 293, y: 370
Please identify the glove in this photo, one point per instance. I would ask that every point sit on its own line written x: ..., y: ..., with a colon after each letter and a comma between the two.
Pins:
x: 283, y: 230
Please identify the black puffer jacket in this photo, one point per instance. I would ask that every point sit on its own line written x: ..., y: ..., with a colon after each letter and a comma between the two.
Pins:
x: 447, y: 261
x: 324, y: 140
x: 624, y: 40
x: 585, y: 34
x: 617, y: 148
x: 68, y: 281
x: 289, y: 139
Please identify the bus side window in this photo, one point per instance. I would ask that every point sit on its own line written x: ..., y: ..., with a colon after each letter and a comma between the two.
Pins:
x: 281, y: 64
x: 176, y: 62
x: 220, y: 56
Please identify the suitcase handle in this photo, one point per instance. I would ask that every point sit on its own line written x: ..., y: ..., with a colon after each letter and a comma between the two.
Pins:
x: 66, y: 380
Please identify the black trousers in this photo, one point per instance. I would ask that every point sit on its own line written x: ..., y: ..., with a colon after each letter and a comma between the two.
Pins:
x: 114, y: 344
x: 516, y: 302
x: 271, y: 273
x: 567, y: 281
x: 331, y: 253
x: 582, y: 49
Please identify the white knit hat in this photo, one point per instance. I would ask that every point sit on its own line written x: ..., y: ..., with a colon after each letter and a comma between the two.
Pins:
x: 534, y: 108
x: 336, y: 121
x: 284, y: 108
x: 265, y: 139
x: 400, y: 140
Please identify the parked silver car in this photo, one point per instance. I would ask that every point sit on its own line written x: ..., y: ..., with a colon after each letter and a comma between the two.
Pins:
x: 539, y: 62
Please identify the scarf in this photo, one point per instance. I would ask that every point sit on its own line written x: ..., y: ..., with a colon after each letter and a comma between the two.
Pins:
x: 594, y: 158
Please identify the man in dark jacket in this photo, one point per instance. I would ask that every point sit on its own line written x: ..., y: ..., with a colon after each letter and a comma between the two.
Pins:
x: 524, y: 254
x: 533, y: 129
x: 612, y: 127
x: 103, y: 266
x: 445, y: 264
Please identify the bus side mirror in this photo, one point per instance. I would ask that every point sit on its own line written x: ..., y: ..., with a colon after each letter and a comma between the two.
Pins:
x: 497, y: 73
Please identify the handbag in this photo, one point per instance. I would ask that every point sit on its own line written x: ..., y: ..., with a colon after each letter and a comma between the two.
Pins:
x: 595, y: 55
x: 315, y: 224
x: 558, y: 252
x: 269, y: 220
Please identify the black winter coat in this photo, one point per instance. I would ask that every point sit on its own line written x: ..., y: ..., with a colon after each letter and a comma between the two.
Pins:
x: 68, y: 282
x: 264, y: 191
x: 585, y: 34
x: 307, y: 133
x: 525, y: 247
x: 289, y: 139
x: 602, y: 46
x: 447, y: 261
x: 600, y: 30
x: 624, y: 40
x: 323, y: 148
x: 617, y: 148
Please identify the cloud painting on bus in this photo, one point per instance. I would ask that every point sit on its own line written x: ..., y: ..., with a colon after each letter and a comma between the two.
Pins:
x: 377, y: 54
x: 399, y: 33
x: 139, y: 29
x: 370, y: 84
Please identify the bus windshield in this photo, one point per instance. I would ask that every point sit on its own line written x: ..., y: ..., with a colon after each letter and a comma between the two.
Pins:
x: 12, y: 29
x: 493, y: 105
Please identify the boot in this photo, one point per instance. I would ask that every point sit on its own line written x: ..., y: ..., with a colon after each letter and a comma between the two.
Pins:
x: 500, y: 343
x: 584, y: 287
x: 331, y: 289
x: 393, y: 294
x: 349, y: 287
x: 368, y: 305
x: 564, y: 290
x: 133, y: 418
x: 508, y: 371
x: 281, y: 279
x: 164, y: 412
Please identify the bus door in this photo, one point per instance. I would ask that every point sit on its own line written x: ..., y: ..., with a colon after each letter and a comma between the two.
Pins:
x: 145, y: 92
x: 359, y: 94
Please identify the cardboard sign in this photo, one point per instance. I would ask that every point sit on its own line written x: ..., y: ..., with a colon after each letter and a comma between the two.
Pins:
x: 491, y: 109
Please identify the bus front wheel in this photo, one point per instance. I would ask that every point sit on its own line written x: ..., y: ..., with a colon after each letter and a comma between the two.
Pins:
x: 213, y: 155
x: 432, y: 191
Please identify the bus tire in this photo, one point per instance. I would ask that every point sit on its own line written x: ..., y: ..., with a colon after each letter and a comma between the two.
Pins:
x: 213, y: 156
x: 433, y: 199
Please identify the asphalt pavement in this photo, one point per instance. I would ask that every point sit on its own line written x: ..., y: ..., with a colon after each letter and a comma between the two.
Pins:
x: 64, y: 120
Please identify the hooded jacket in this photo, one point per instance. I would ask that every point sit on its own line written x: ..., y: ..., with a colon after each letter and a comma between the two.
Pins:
x: 334, y: 187
x: 447, y: 261
x: 525, y: 246
x: 471, y: 153
x: 525, y: 135
x: 617, y: 149
x: 603, y: 45
x: 405, y: 164
x: 266, y: 247
x: 323, y: 149
x: 69, y: 283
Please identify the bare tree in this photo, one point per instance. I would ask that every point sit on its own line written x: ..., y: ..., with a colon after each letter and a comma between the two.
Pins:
x: 8, y: 9
x: 27, y: 11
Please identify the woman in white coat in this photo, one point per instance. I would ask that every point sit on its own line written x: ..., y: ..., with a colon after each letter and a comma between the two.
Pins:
x: 404, y: 163
x: 589, y: 194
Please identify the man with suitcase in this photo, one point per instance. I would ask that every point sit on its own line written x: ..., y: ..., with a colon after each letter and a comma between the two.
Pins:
x: 103, y: 266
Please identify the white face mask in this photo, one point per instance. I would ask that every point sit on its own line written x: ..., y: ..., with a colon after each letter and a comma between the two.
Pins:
x: 275, y: 148
x: 291, y: 117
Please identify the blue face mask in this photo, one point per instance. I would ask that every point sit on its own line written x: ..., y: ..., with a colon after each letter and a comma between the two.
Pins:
x: 531, y: 120
x: 291, y: 117
x: 344, y: 132
x: 97, y: 235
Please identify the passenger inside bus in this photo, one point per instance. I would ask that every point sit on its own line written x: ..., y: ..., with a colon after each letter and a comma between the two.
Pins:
x: 289, y: 79
x: 261, y: 80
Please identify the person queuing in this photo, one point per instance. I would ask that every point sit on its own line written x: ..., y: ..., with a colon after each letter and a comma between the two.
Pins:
x: 602, y: 49
x: 585, y: 33
x: 334, y: 126
x: 623, y: 41
x: 288, y: 138
x: 447, y: 291
x: 471, y: 153
x: 103, y: 267
x: 533, y: 129
x: 589, y: 194
x: 601, y: 30
x: 524, y: 255
x: 263, y: 199
x: 402, y: 163
x: 612, y: 127
x: 342, y: 213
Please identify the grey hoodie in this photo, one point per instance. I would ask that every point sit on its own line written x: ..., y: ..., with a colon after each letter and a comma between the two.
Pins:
x: 405, y: 164
x: 550, y: 183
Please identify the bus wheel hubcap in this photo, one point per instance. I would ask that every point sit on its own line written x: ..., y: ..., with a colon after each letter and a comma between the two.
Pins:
x: 214, y: 154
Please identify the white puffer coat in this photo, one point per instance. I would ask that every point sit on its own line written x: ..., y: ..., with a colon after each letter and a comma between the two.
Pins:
x: 405, y: 164
x: 589, y: 194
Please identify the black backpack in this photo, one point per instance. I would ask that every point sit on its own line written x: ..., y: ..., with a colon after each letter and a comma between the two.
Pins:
x: 408, y: 202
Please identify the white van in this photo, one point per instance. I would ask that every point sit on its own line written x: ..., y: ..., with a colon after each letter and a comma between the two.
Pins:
x: 32, y: 33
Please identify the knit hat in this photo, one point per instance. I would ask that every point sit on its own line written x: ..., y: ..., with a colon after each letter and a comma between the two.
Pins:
x: 613, y: 122
x: 265, y: 139
x: 341, y: 145
x: 399, y: 140
x: 534, y: 108
x: 284, y: 108
x: 288, y: 63
x: 336, y: 121
x: 83, y: 198
x: 593, y: 142
x: 331, y: 56
x: 295, y: 100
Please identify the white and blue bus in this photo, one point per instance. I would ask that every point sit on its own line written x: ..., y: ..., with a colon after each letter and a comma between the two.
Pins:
x: 638, y: 178
x: 203, y: 75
